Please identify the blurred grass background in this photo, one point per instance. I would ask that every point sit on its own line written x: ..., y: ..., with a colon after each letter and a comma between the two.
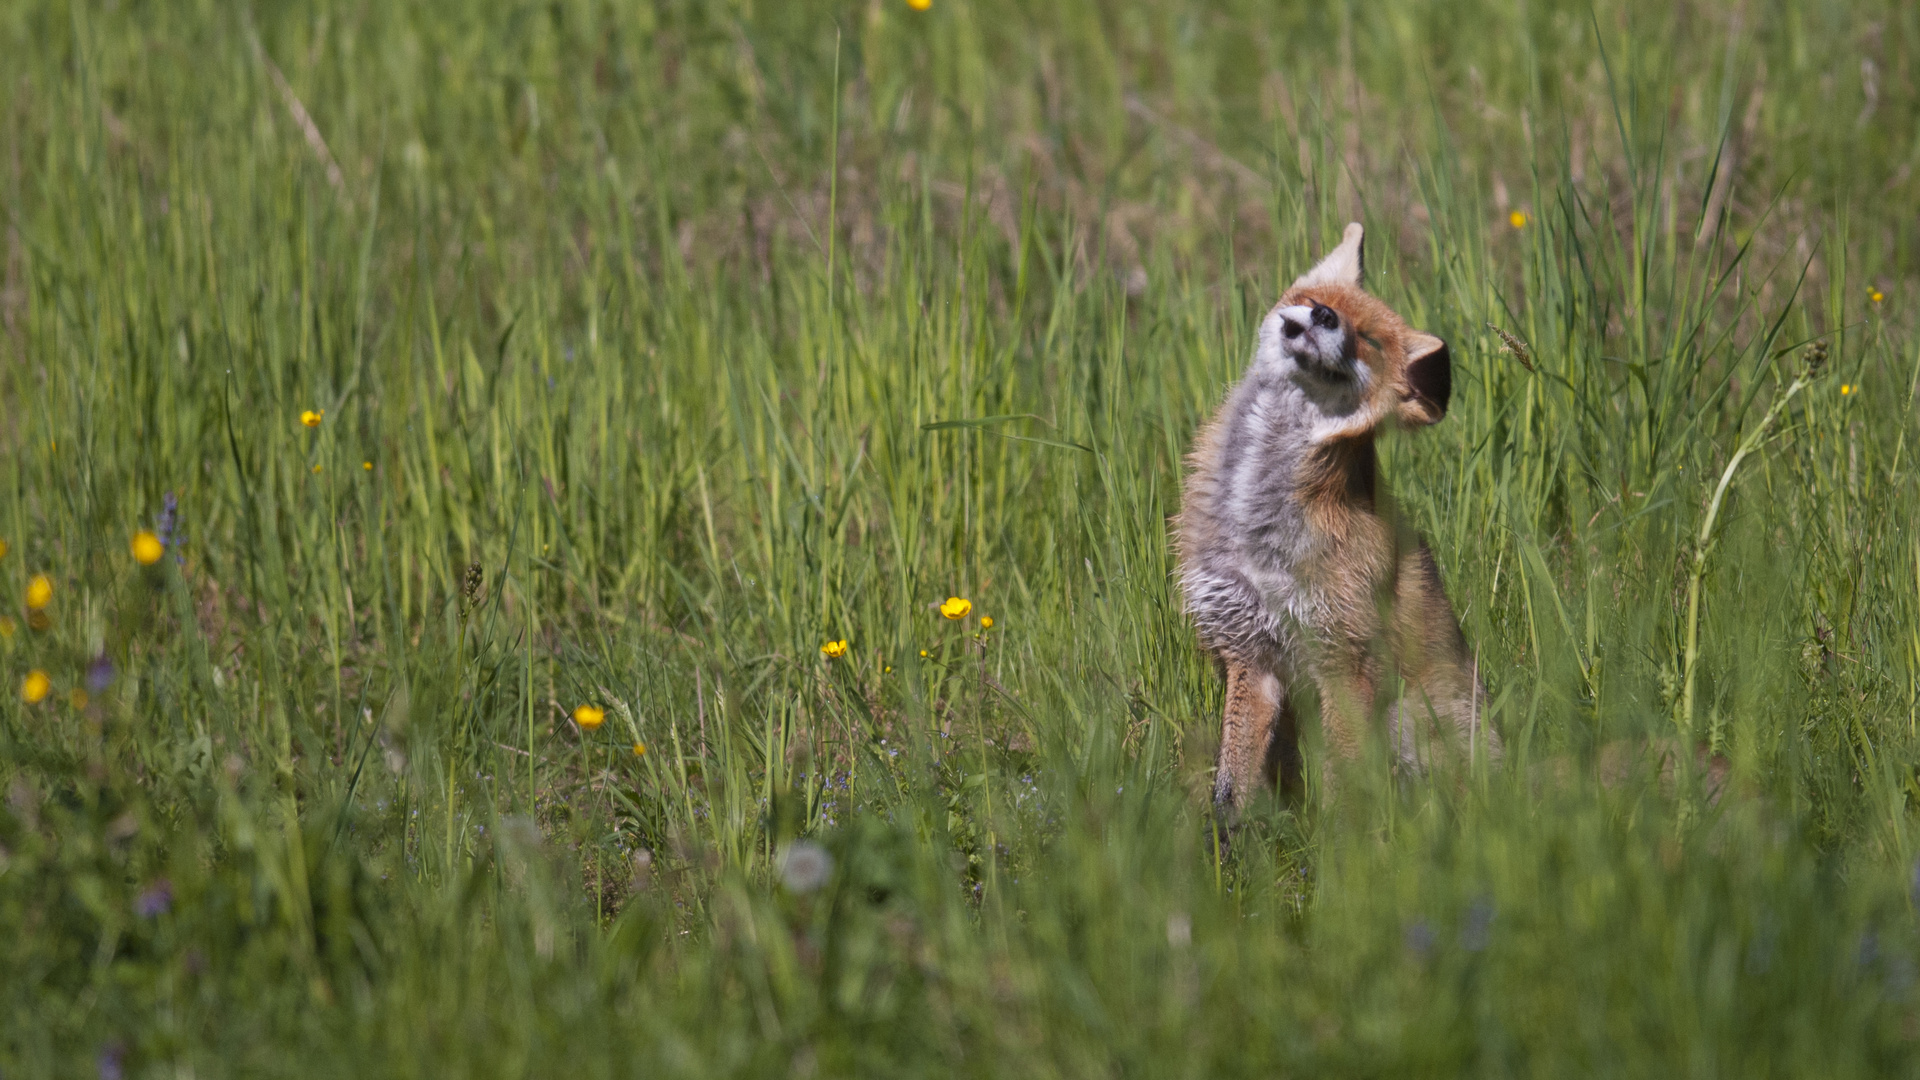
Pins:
x: 660, y: 344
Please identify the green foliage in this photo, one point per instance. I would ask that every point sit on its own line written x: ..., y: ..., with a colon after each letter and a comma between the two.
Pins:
x: 658, y: 345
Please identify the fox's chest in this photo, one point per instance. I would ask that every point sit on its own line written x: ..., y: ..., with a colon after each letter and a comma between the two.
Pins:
x: 1282, y: 501
x: 1296, y: 517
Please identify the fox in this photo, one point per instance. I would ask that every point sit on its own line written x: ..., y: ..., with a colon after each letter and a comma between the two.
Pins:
x: 1291, y: 566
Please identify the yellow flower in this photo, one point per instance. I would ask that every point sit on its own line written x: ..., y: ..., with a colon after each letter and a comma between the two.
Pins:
x: 316, y: 468
x: 1518, y: 219
x: 986, y: 622
x: 3, y: 549
x: 1876, y: 295
x: 923, y: 654
x: 36, y: 687
x: 312, y: 417
x: 956, y: 607
x: 146, y: 548
x: 919, y: 5
x: 639, y: 749
x: 39, y: 592
x: 367, y: 465
x: 77, y: 698
x: 589, y: 717
x: 834, y: 650
x: 1846, y: 388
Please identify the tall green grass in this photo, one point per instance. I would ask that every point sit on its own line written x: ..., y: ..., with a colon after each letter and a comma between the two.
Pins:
x: 658, y: 346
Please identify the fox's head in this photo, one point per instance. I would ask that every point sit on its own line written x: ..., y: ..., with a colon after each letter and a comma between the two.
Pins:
x: 1356, y: 361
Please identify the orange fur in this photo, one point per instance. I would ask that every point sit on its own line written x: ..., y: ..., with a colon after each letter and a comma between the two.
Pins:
x: 1288, y: 557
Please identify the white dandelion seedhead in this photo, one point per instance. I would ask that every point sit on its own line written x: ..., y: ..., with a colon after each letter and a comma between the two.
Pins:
x: 1179, y: 930
x: 804, y: 866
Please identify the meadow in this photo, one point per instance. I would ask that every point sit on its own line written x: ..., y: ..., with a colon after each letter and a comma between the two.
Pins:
x: 479, y: 481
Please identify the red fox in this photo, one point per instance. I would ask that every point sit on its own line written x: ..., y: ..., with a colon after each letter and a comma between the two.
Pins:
x: 1287, y: 566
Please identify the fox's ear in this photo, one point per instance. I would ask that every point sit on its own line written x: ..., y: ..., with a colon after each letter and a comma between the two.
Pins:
x: 1429, y: 379
x: 1344, y: 265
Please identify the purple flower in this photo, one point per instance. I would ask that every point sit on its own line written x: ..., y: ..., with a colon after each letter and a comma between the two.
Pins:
x: 169, y: 517
x: 1476, y: 929
x: 99, y: 674
x: 110, y: 1062
x: 154, y: 900
x: 1869, y: 948
x: 1419, y: 938
x: 167, y: 525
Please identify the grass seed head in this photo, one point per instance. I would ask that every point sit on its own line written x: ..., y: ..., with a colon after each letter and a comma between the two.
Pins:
x: 1814, y: 359
x: 470, y: 585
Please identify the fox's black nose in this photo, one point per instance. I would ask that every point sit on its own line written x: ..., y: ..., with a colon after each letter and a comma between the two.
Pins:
x: 1325, y: 318
x: 1291, y: 329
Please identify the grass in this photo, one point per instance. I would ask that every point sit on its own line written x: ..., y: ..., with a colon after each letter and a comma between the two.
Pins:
x: 659, y: 345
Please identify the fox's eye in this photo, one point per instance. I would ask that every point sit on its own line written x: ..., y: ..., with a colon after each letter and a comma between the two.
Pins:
x: 1325, y: 317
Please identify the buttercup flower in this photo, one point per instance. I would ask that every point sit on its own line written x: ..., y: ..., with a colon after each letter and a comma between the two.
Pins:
x: 367, y: 465
x: 919, y: 5
x: 1845, y: 389
x: 1876, y: 295
x: 956, y: 607
x: 834, y: 650
x: 39, y: 592
x: 589, y: 717
x: 986, y: 622
x: 146, y: 548
x: 35, y: 688
x: 312, y: 417
x: 1518, y: 219
x: 639, y: 749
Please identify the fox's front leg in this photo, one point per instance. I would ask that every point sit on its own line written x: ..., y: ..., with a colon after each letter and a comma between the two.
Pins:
x: 1247, y: 752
